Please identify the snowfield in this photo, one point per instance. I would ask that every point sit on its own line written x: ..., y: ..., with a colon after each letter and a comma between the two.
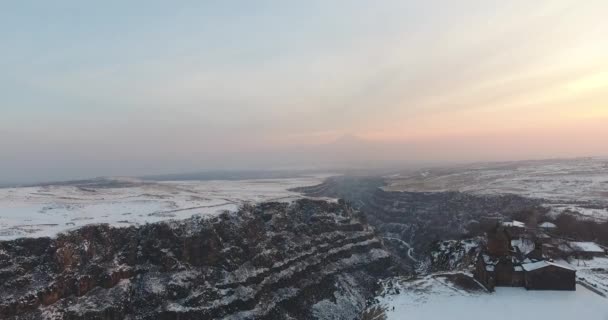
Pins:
x: 575, y: 184
x: 435, y: 298
x: 51, y: 209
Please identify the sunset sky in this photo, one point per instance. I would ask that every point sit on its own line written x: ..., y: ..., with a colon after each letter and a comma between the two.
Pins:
x: 142, y: 87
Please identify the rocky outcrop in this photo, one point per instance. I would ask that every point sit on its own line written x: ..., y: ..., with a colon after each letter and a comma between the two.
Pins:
x: 451, y: 255
x: 305, y: 260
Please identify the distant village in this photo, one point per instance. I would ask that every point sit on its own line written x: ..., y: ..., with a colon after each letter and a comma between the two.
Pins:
x: 518, y: 255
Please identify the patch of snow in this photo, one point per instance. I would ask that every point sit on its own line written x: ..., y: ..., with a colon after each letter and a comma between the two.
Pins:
x: 543, y: 264
x: 48, y: 210
x: 547, y: 225
x: 579, y: 185
x: 591, y: 213
x: 488, y: 260
x: 525, y: 246
x: 586, y: 247
x: 514, y: 223
x: 431, y: 299
x: 591, y: 272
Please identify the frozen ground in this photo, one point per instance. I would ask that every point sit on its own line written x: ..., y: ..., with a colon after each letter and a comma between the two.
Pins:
x: 48, y: 210
x: 435, y: 298
x: 591, y: 272
x: 575, y: 184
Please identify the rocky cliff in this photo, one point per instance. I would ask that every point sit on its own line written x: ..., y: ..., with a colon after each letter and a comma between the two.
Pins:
x: 305, y: 260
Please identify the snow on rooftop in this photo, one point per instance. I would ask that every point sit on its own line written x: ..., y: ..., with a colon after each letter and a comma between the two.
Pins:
x: 547, y: 225
x: 586, y: 247
x: 525, y: 246
x: 514, y: 223
x: 542, y: 264
x: 534, y: 265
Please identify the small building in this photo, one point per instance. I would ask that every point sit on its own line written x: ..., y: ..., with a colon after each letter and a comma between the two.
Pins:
x: 586, y: 250
x: 499, y: 272
x: 546, y: 275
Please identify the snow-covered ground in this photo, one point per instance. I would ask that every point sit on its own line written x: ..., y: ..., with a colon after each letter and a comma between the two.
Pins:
x: 49, y: 210
x: 576, y: 184
x: 435, y: 298
x: 591, y: 272
x: 581, y: 209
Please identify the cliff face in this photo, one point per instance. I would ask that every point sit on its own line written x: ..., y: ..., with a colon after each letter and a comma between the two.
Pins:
x: 306, y: 260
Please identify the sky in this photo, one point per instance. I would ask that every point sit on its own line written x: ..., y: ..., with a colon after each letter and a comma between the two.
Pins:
x: 145, y: 87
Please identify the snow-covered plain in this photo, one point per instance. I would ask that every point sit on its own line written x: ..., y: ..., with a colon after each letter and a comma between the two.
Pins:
x: 51, y: 209
x: 576, y: 184
x: 434, y: 298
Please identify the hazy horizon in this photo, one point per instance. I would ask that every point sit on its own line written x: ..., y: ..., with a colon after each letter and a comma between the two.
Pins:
x: 144, y: 88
